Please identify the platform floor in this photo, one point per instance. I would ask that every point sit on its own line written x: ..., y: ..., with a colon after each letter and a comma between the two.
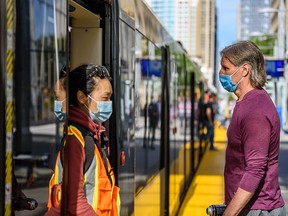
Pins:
x: 207, y: 187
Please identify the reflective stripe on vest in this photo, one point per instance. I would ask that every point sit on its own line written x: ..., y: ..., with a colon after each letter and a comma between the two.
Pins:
x: 96, y: 193
x: 55, y: 179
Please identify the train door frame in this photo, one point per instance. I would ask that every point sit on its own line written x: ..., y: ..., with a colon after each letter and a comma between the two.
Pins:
x: 114, y: 68
x: 22, y: 80
x: 2, y: 102
x: 192, y: 126
x: 109, y: 58
x: 200, y: 132
x: 165, y: 131
x: 125, y: 85
x: 110, y: 55
x: 7, y: 24
x: 185, y: 120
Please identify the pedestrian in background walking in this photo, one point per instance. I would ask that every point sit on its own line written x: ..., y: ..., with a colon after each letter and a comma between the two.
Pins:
x: 209, y: 117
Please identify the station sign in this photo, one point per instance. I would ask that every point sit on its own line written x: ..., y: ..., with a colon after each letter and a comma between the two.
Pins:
x: 275, y: 68
x: 151, y: 67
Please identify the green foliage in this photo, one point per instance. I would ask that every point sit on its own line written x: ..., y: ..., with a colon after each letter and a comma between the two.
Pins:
x: 265, y: 43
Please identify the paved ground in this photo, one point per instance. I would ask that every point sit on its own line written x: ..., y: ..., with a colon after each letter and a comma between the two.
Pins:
x: 283, y: 168
x: 207, y: 187
x: 211, y: 192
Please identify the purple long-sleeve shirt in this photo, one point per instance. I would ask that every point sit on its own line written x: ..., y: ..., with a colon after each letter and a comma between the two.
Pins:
x: 252, y: 151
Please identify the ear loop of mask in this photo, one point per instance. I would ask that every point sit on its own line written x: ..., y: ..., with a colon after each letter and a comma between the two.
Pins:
x: 241, y: 77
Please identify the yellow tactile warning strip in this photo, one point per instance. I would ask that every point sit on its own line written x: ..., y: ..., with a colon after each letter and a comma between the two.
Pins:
x: 207, y: 187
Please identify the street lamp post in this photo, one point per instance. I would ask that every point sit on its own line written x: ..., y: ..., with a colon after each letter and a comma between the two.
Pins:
x: 282, y: 54
x: 281, y: 30
x: 280, y: 48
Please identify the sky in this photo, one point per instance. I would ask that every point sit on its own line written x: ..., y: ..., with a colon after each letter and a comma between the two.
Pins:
x: 227, y: 22
x: 227, y: 25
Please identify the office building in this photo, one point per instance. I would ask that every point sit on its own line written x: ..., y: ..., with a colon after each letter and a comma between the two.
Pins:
x: 252, y: 21
x: 193, y: 23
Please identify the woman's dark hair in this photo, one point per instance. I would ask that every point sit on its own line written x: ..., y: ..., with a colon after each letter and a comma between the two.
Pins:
x: 81, y: 78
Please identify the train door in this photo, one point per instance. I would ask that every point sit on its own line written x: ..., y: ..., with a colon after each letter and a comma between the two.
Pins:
x: 108, y: 38
x: 180, y: 143
x: 33, y: 49
x: 177, y: 121
x: 148, y: 106
x: 90, y: 41
x: 125, y: 88
x: 93, y: 39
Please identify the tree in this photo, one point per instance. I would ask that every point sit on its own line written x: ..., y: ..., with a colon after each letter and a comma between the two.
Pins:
x: 265, y: 43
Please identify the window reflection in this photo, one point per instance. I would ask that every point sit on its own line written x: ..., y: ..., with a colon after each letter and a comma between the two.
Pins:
x: 127, y: 115
x: 48, y: 36
x: 40, y: 53
x: 148, y: 117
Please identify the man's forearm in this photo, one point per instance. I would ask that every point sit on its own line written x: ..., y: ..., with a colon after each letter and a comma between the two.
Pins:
x: 239, y: 201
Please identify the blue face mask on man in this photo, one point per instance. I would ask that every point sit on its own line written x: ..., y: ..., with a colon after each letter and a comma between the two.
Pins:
x: 104, y: 111
x: 58, y: 105
x: 226, y: 81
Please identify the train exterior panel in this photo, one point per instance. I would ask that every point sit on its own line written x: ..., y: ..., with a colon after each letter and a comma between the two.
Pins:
x: 157, y: 93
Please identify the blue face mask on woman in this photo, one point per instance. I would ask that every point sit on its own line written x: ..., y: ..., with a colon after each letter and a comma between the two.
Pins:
x: 226, y: 81
x: 58, y: 105
x: 104, y: 111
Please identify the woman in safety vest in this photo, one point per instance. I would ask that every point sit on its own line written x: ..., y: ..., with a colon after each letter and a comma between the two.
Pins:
x: 91, y: 188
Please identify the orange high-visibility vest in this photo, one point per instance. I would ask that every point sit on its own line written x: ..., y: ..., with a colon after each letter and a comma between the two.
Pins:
x: 100, y: 194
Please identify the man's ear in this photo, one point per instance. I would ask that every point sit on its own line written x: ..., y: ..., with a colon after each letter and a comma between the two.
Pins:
x: 246, y: 70
x: 81, y: 97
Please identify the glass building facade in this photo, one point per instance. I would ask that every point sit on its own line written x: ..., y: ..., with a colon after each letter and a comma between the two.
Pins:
x: 252, y: 21
x: 165, y: 10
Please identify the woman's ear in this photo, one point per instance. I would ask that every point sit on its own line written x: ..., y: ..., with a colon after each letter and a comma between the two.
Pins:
x: 81, y: 97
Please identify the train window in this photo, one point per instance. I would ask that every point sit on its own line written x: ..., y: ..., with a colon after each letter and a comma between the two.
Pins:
x: 148, y: 121
x: 127, y: 115
x: 180, y: 120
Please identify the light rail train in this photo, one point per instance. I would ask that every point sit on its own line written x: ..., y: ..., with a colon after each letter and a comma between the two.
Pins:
x: 157, y: 91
